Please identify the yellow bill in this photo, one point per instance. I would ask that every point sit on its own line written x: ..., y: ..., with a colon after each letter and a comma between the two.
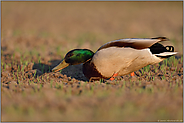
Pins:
x: 61, y: 66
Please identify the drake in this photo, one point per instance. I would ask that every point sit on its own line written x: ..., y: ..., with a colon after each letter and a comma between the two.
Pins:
x: 118, y: 57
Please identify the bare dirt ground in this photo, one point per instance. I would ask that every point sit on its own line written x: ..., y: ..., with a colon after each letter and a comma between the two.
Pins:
x: 37, y: 35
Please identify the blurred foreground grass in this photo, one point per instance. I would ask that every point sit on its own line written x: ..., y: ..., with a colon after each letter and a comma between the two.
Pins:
x: 125, y: 101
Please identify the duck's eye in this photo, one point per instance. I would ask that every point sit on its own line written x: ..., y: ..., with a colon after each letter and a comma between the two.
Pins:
x: 69, y: 55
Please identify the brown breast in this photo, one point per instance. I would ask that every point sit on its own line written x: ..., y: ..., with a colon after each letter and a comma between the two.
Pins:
x: 89, y: 70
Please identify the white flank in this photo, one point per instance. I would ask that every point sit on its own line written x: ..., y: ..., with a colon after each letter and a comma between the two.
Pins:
x: 166, y: 53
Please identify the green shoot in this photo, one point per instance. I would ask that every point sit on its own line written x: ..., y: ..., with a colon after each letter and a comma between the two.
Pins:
x: 38, y: 79
x: 101, y: 80
x: 166, y: 62
x: 13, y: 75
x: 49, y: 68
x: 4, y: 66
x: 18, y: 69
x: 35, y: 73
x: 17, y: 75
x: 51, y: 82
x: 40, y: 86
x: 142, y: 71
x: 42, y: 69
x: 22, y: 68
x: 175, y: 69
x: 47, y: 77
x: 163, y: 77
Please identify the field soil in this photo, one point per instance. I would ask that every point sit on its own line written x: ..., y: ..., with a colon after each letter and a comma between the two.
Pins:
x: 37, y: 35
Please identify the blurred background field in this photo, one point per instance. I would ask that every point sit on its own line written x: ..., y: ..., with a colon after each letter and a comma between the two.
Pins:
x: 88, y: 24
x: 40, y: 32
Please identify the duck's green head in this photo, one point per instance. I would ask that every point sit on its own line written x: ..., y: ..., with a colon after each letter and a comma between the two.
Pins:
x: 74, y: 57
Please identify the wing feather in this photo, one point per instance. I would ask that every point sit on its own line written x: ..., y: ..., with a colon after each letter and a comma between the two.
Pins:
x: 136, y: 43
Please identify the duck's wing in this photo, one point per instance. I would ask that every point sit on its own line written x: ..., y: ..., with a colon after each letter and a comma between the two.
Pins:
x: 136, y: 43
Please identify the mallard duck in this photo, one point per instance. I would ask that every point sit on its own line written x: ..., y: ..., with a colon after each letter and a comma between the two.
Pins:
x: 118, y: 57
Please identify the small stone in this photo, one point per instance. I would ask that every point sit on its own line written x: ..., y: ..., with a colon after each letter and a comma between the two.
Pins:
x: 8, y: 67
x: 82, y: 82
x: 172, y: 68
x: 5, y: 82
x: 103, y: 84
x: 133, y: 78
x: 56, y: 75
x: 181, y: 69
x: 5, y: 74
x: 30, y: 66
x: 88, y: 86
x: 74, y: 80
x: 98, y: 82
x: 12, y: 84
x: 61, y: 76
x: 65, y: 76
x: 46, y: 85
x: 69, y: 79
x: 14, y: 67
x: 173, y: 78
x: 149, y: 86
x: 112, y: 82
x: 17, y: 55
